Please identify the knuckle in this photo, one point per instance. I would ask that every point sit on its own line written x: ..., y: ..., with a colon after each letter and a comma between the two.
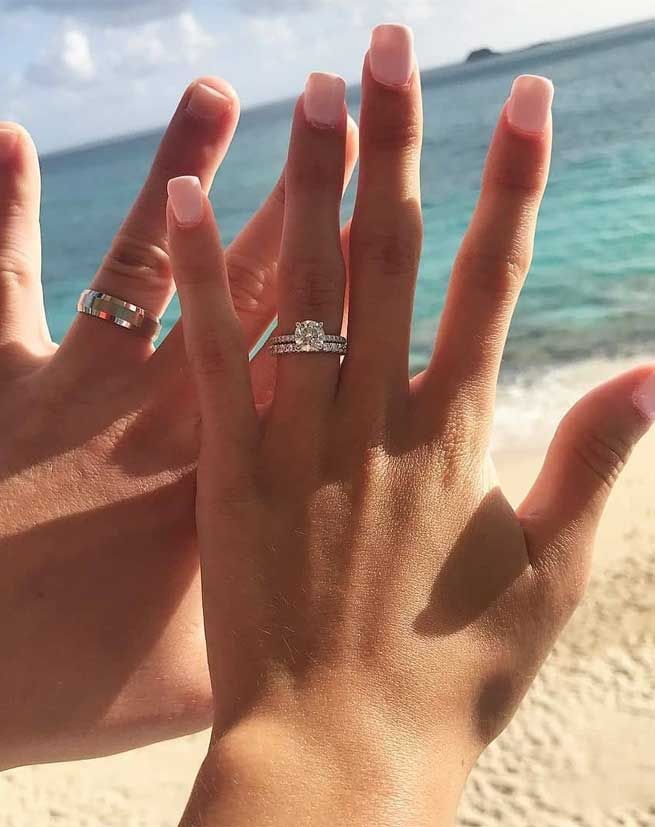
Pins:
x: 15, y: 264
x: 248, y: 281
x: 14, y: 209
x: 196, y: 274
x: 208, y: 359
x: 313, y: 175
x: 10, y: 278
x: 213, y: 354
x: 138, y: 261
x: 523, y: 184
x: 14, y: 270
x: 394, y: 134
x: 395, y: 251
x: 166, y: 164
x: 235, y: 492
x: 313, y: 286
x: 603, y: 455
x: 495, y: 272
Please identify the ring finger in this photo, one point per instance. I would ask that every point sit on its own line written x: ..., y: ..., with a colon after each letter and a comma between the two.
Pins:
x: 137, y: 267
x: 311, y: 272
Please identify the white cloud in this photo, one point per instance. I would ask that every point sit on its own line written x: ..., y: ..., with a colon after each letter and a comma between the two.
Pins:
x: 180, y: 41
x: 381, y: 9
x: 113, y: 12
x: 194, y: 38
x: 273, y: 8
x: 139, y: 52
x: 410, y: 10
x: 352, y: 14
x: 76, y: 57
x: 67, y: 62
x: 275, y: 31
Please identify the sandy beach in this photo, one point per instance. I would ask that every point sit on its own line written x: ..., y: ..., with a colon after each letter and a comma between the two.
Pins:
x: 580, y: 752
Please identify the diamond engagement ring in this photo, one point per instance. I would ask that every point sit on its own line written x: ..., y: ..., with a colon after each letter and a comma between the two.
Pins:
x: 119, y: 312
x: 309, y: 337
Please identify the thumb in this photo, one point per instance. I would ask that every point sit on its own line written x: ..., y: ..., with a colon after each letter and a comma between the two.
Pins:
x: 591, y: 447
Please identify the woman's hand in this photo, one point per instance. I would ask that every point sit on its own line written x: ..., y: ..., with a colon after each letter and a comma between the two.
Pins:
x: 375, y: 609
x: 100, y: 617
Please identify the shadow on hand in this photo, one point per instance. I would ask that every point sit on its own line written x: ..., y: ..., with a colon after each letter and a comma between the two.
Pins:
x: 173, y: 420
x: 481, y: 567
x: 84, y: 599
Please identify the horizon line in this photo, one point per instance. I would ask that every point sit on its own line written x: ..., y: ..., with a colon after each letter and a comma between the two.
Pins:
x: 478, y: 65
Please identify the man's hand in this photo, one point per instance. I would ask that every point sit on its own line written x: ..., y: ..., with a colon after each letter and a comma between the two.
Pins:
x: 101, y: 634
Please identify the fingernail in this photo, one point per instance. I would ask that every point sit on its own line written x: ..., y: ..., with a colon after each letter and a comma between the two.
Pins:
x: 530, y: 102
x: 392, y: 54
x: 185, y: 194
x: 8, y: 141
x: 208, y: 103
x: 644, y: 397
x: 324, y: 99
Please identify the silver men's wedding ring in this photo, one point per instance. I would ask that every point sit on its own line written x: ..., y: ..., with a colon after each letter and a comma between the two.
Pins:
x: 119, y: 312
x: 308, y: 337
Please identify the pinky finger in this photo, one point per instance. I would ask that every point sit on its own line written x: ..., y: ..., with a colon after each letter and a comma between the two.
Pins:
x: 215, y: 346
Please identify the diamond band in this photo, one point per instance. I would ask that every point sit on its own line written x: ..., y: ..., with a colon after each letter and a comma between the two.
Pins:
x: 328, y: 347
x: 290, y: 338
x: 308, y: 337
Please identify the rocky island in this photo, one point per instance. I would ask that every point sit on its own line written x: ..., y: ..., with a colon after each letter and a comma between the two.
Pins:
x: 485, y: 53
x: 481, y: 54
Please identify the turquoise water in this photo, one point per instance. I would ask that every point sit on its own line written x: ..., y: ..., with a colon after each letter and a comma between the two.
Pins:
x: 591, y: 291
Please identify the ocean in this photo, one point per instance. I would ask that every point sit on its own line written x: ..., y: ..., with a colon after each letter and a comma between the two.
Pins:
x: 590, y: 295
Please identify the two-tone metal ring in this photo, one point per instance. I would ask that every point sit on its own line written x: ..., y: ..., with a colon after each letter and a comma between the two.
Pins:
x: 122, y: 313
x: 308, y: 337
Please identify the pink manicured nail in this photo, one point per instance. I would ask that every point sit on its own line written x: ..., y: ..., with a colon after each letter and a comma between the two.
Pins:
x: 530, y: 103
x: 8, y: 141
x: 208, y: 103
x: 324, y: 99
x: 644, y: 397
x: 185, y: 194
x: 392, y: 54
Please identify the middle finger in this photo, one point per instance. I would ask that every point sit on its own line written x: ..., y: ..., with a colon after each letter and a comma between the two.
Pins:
x: 386, y: 234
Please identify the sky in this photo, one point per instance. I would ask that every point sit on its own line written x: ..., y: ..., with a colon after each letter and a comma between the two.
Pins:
x: 77, y: 71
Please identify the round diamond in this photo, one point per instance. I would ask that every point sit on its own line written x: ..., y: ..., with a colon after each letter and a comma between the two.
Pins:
x: 309, y: 335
